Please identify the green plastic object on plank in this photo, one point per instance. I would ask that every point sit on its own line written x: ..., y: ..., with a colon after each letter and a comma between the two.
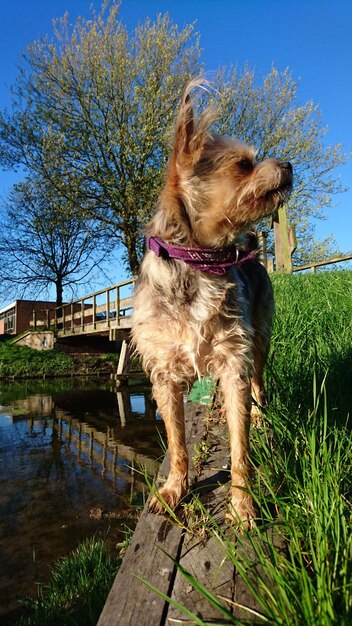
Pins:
x: 202, y: 391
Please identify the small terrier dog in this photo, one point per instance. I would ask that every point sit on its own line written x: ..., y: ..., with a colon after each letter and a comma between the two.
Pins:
x: 203, y: 305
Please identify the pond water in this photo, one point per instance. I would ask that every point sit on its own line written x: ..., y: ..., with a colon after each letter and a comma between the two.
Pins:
x: 70, y: 460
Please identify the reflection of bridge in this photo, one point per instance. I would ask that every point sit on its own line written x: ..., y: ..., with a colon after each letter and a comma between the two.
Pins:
x: 100, y: 431
x: 103, y: 313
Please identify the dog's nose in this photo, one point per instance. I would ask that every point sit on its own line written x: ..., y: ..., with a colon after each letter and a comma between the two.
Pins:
x: 286, y: 165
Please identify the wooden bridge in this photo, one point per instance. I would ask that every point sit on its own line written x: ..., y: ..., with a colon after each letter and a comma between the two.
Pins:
x: 104, y: 312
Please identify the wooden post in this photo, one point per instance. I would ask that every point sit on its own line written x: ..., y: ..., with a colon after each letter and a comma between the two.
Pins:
x: 108, y: 307
x: 82, y: 315
x: 118, y: 305
x: 124, y: 359
x: 285, y: 241
x: 34, y: 320
x: 94, y: 310
x: 270, y: 266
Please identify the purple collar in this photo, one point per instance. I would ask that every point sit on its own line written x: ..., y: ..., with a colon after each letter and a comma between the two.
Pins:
x: 212, y: 260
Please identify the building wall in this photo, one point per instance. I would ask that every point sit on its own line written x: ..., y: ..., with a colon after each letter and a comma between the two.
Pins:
x: 24, y: 313
x: 8, y: 319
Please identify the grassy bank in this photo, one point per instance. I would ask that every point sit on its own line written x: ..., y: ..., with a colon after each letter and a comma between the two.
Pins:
x: 302, y: 459
x: 20, y: 362
x: 77, y: 589
x: 311, y: 340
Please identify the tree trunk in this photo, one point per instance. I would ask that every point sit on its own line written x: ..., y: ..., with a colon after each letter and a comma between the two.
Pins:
x: 59, y: 291
x: 133, y: 260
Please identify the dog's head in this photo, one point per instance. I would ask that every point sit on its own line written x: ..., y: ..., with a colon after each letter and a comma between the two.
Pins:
x: 215, y: 187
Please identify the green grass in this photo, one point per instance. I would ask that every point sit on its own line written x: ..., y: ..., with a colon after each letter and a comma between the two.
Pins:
x: 311, y: 336
x: 23, y: 362
x: 302, y: 465
x: 77, y: 589
x: 20, y: 362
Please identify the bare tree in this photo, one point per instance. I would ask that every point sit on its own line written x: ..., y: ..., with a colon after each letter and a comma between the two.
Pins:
x: 45, y: 241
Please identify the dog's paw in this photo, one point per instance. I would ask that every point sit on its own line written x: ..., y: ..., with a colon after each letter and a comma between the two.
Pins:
x: 166, y: 498
x: 241, y: 513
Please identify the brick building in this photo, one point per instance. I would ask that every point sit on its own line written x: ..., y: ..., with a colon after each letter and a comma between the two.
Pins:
x: 18, y: 316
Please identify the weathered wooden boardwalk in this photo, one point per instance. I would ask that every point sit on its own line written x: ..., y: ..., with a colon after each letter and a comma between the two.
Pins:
x: 157, y: 543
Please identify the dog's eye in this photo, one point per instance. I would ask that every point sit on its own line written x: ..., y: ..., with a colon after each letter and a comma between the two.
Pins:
x: 245, y: 165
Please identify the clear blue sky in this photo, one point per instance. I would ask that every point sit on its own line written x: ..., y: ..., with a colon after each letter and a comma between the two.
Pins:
x: 311, y: 37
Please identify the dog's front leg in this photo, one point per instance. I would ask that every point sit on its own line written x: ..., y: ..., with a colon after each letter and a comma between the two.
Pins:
x: 237, y: 403
x: 169, y: 398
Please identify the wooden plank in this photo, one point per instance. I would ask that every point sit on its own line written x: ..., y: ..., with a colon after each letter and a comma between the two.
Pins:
x: 206, y: 562
x: 205, y: 559
x: 130, y: 602
x: 246, y: 605
x: 101, y: 327
x: 312, y: 266
x: 108, y: 307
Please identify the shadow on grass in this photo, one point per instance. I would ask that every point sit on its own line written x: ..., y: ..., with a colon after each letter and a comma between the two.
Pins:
x: 291, y: 389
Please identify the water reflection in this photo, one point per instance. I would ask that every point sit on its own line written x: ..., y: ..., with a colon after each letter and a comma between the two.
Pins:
x: 70, y: 464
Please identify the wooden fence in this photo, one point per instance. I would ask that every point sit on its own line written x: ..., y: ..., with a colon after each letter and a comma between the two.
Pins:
x: 313, y: 266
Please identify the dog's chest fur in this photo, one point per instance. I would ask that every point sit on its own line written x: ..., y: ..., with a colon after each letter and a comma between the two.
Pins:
x: 187, y: 323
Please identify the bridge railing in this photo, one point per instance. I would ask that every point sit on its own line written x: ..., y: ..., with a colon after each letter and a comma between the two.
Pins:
x: 96, y: 311
x: 100, y: 310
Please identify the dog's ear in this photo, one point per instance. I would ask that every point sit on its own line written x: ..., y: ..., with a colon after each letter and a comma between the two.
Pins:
x: 190, y: 133
x: 184, y: 131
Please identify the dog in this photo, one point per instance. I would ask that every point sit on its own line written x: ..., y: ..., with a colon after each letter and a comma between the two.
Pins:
x: 203, y: 305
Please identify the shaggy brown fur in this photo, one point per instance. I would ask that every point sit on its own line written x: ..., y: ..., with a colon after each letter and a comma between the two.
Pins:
x: 188, y: 323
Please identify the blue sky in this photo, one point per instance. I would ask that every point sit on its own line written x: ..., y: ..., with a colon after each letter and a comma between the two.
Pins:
x: 311, y: 37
